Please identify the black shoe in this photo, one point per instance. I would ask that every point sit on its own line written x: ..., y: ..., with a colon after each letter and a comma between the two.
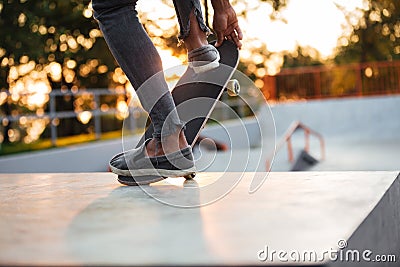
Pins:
x: 135, y: 163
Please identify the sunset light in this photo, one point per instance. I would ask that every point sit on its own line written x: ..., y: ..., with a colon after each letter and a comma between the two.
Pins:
x: 314, y: 23
x: 131, y: 135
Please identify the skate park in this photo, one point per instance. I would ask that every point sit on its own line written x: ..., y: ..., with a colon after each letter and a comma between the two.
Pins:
x: 298, y: 165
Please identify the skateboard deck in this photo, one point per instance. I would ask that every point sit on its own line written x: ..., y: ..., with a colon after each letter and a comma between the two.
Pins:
x: 195, y: 96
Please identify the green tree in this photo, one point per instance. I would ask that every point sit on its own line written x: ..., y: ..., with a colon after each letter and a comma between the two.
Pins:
x: 53, y: 31
x: 55, y: 37
x: 302, y: 56
x: 376, y: 36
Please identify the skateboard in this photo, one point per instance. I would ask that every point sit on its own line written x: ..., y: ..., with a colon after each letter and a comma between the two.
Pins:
x: 195, y: 96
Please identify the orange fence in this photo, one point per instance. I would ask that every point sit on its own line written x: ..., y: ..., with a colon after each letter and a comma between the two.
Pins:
x: 363, y: 79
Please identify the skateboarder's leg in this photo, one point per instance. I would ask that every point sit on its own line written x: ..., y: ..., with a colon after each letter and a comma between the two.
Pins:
x: 193, y: 33
x: 136, y: 54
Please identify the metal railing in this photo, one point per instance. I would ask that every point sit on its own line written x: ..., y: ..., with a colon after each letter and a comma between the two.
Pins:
x: 52, y: 114
x: 287, y: 139
x: 327, y: 81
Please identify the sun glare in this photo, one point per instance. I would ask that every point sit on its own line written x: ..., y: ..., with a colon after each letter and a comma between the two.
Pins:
x: 85, y: 117
x: 312, y: 23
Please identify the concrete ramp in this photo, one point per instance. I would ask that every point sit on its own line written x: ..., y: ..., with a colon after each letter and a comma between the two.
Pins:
x: 89, y: 219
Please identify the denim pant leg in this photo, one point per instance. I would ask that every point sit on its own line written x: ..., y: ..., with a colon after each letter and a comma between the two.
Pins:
x: 139, y: 59
x: 183, y: 9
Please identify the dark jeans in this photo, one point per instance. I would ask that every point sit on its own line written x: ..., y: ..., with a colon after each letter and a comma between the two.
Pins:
x: 139, y: 59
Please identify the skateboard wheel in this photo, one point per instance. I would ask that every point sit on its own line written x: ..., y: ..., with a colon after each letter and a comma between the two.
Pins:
x: 233, y: 87
x: 190, y: 176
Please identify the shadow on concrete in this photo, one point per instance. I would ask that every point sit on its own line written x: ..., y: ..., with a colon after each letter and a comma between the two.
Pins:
x: 128, y: 225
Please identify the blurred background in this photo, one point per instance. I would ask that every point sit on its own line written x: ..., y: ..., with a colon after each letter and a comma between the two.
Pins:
x: 59, y: 84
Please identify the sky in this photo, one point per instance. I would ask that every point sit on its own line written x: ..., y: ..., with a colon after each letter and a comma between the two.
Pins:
x: 315, y: 23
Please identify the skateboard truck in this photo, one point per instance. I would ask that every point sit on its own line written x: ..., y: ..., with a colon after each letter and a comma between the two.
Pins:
x: 190, y: 176
x: 233, y: 87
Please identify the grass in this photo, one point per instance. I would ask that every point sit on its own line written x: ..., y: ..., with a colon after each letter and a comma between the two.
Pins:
x: 41, y: 144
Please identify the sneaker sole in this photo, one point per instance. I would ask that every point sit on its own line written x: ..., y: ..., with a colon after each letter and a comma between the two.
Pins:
x: 138, y: 182
x: 154, y: 172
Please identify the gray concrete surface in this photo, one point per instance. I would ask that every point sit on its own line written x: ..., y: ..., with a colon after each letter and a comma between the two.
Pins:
x: 367, y: 118
x: 359, y: 133
x: 90, y: 157
x: 88, y: 219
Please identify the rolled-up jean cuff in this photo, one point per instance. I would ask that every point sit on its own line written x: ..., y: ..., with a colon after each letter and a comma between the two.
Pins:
x: 184, y: 19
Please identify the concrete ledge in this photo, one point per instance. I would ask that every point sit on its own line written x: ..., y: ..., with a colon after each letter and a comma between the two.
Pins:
x: 380, y: 230
x: 88, y: 219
